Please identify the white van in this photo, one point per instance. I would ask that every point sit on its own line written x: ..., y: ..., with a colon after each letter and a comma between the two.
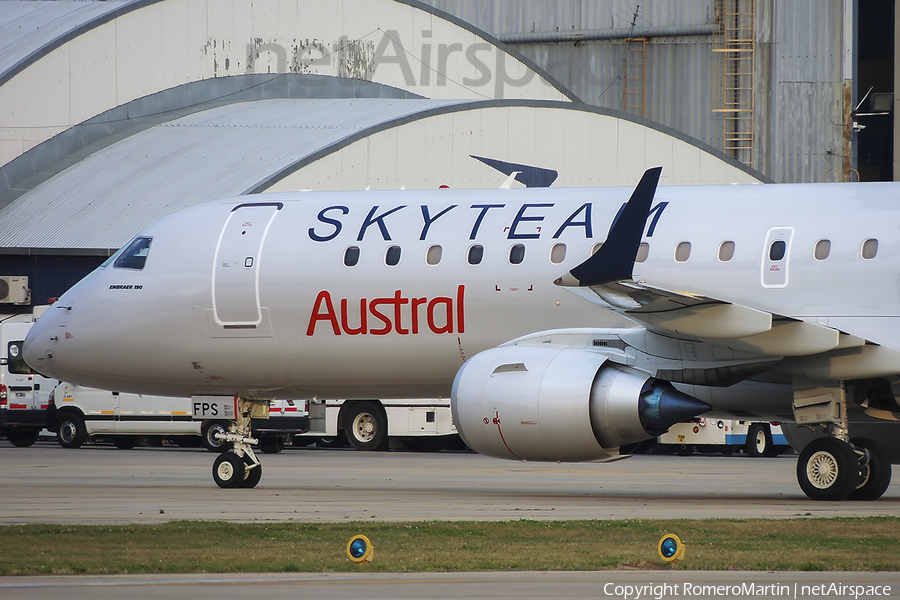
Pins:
x: 84, y: 413
x: 25, y: 406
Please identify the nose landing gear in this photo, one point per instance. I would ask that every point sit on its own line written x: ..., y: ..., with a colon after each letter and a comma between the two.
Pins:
x: 239, y: 467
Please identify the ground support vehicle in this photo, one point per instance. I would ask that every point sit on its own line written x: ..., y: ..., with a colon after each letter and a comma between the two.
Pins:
x: 724, y: 436
x: 84, y: 413
x: 25, y: 404
x: 423, y: 424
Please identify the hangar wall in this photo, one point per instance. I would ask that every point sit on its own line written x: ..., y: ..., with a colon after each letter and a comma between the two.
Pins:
x: 147, y: 63
x: 151, y: 45
x: 586, y: 147
x: 801, y: 119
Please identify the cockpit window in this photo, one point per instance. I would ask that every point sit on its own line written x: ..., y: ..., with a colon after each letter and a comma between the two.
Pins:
x: 135, y: 255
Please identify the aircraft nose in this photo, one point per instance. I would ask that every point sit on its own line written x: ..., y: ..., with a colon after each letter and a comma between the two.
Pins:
x: 39, y: 347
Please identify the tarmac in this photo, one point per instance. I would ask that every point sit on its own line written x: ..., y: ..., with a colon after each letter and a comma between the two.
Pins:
x: 99, y: 484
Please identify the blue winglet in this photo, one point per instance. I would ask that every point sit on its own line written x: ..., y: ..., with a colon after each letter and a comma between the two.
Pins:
x: 528, y: 175
x: 614, y: 261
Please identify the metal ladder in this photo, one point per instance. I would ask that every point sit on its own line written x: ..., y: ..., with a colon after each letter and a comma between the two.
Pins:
x: 633, y: 76
x: 738, y: 51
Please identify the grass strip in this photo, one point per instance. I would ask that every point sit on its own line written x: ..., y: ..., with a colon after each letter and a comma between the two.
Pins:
x: 844, y: 544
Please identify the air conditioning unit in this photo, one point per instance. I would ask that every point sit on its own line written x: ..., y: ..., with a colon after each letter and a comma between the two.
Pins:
x: 14, y: 290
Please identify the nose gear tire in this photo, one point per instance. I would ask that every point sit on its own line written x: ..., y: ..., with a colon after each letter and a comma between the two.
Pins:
x: 228, y: 470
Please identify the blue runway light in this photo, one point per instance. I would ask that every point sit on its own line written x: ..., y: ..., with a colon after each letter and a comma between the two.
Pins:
x: 670, y: 548
x: 360, y: 549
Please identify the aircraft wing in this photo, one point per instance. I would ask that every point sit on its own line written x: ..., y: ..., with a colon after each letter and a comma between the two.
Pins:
x: 606, y: 278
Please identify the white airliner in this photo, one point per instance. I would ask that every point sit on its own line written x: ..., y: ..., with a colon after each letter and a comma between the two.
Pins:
x: 758, y: 300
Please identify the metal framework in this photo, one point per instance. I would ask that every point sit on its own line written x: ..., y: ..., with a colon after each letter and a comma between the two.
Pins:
x: 738, y: 51
x: 633, y: 76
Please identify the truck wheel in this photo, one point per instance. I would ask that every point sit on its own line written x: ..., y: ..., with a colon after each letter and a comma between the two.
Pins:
x: 271, y: 445
x: 365, y: 426
x: 759, y: 440
x: 208, y: 433
x: 70, y: 431
x: 22, y: 439
x: 125, y: 442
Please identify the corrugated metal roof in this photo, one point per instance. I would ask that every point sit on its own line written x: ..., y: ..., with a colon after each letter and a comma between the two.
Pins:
x: 105, y: 199
x: 28, y: 26
x: 797, y: 89
x: 525, y: 16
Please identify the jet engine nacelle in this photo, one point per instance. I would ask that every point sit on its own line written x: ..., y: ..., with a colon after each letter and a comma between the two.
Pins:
x: 560, y: 404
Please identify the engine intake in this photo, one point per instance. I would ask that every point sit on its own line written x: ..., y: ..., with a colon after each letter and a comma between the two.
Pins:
x: 550, y: 403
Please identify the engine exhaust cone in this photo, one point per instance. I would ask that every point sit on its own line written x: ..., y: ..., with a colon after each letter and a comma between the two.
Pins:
x: 662, y: 406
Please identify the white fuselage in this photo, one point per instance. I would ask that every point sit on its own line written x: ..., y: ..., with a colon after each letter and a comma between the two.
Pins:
x: 258, y: 300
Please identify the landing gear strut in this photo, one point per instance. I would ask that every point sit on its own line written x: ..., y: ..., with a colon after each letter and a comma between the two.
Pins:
x: 837, y: 467
x: 239, y: 467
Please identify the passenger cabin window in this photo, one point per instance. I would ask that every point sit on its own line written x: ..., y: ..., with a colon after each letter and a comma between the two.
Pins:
x: 643, y: 252
x: 392, y: 256
x: 433, y: 255
x: 776, y: 250
x: 683, y: 251
x: 869, y: 249
x: 135, y: 255
x: 557, y: 253
x: 822, y: 250
x: 476, y: 253
x: 516, y: 254
x: 351, y: 256
x: 726, y: 251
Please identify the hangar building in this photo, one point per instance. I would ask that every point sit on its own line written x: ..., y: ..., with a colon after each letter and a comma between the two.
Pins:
x: 117, y: 113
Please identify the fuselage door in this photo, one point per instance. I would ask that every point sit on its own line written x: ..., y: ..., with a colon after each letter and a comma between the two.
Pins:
x: 235, y: 282
x: 776, y: 256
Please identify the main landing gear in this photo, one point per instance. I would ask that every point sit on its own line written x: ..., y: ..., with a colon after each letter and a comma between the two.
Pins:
x: 239, y: 467
x: 837, y: 467
x: 832, y: 469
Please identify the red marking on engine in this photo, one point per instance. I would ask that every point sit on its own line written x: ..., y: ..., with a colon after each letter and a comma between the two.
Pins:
x: 500, y: 431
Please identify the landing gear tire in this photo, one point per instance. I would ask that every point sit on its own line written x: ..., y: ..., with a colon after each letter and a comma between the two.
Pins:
x: 875, y: 474
x: 23, y: 439
x: 71, y: 432
x: 210, y: 442
x: 252, y: 475
x: 759, y: 441
x: 229, y: 470
x: 827, y: 469
x: 365, y: 427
